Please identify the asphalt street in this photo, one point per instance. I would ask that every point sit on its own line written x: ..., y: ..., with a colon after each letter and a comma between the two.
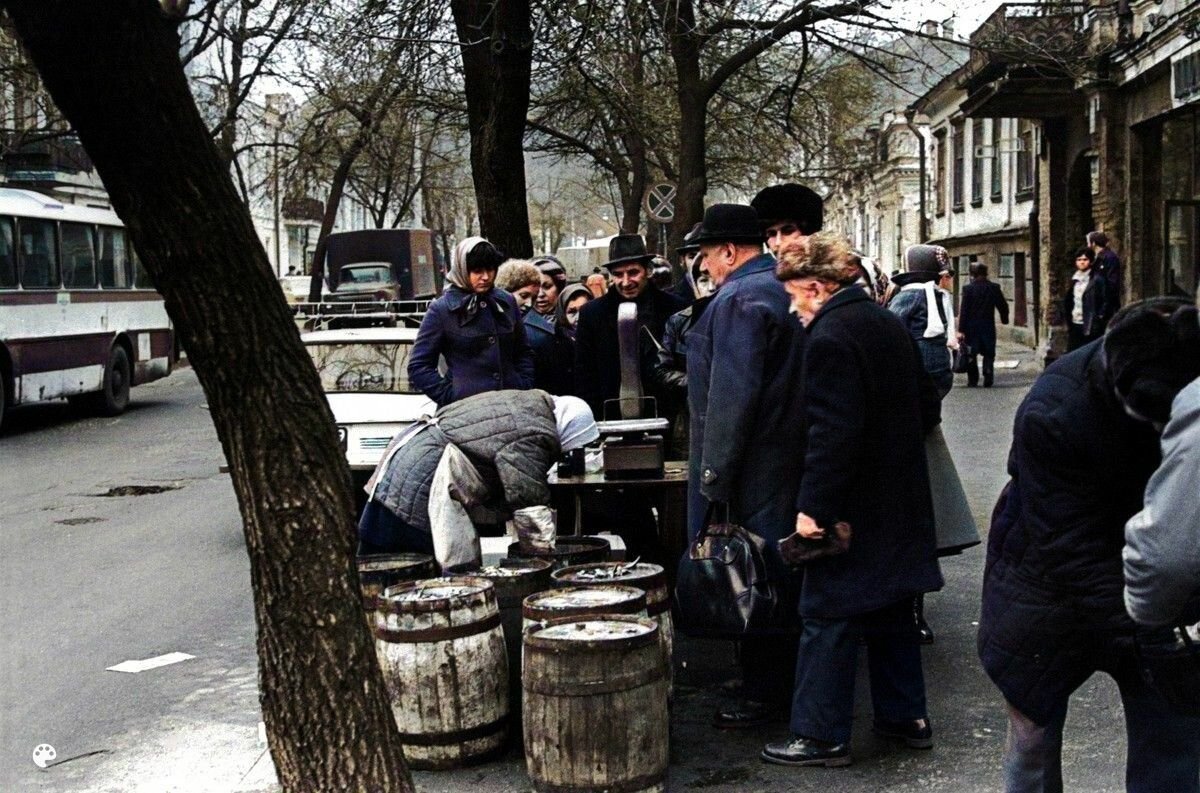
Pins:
x: 91, y: 581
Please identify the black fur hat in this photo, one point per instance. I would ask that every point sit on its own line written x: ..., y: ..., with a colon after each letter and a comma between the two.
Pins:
x: 1151, y: 351
x: 793, y: 202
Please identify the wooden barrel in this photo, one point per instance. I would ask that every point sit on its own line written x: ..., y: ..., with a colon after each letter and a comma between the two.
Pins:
x: 446, y: 670
x: 567, y: 551
x: 574, y: 603
x: 595, y: 714
x: 513, y: 580
x: 377, y: 572
x: 651, y: 578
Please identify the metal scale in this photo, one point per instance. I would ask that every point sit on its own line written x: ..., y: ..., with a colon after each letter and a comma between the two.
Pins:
x: 633, y: 444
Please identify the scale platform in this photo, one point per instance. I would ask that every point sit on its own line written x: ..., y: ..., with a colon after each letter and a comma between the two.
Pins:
x: 633, y: 448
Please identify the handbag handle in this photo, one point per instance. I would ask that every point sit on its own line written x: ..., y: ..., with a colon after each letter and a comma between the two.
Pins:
x: 708, y: 517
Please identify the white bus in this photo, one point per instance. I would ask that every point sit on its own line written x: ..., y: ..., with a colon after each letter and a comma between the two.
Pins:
x: 78, y: 317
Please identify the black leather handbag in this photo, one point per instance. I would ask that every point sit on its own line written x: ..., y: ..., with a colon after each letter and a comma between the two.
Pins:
x: 724, y: 589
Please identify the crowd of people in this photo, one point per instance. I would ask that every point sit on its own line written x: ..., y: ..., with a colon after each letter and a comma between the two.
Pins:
x: 802, y: 385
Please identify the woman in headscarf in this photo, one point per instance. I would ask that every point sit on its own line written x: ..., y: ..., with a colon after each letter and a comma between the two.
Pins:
x: 571, y: 301
x: 926, y: 308
x: 476, y: 327
x: 512, y: 438
x: 553, y: 350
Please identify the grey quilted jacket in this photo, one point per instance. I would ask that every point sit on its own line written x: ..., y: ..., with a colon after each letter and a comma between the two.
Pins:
x: 510, y: 436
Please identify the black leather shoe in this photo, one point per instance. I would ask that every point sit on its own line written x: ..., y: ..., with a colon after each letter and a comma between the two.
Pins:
x: 807, y: 751
x: 916, y: 733
x: 746, y: 713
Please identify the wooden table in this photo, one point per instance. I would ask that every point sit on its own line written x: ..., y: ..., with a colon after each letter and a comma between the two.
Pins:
x: 669, y: 491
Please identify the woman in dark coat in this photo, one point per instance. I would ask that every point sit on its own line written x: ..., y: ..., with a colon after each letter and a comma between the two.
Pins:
x: 476, y: 327
x: 867, y: 404
x: 1084, y: 302
x: 981, y: 299
x: 553, y: 349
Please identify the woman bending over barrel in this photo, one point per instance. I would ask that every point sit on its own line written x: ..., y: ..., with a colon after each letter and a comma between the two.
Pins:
x: 489, y: 451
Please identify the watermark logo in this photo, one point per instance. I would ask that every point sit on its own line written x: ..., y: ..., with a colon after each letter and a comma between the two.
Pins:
x: 43, y: 755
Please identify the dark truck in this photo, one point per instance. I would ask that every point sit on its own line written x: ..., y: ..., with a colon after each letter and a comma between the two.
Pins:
x: 376, y: 278
x: 381, y: 265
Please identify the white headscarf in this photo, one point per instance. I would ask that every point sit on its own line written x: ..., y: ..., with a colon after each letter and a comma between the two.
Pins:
x: 576, y: 425
x: 458, y: 262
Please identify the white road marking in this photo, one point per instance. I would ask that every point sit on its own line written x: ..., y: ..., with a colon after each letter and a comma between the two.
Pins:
x: 133, y: 667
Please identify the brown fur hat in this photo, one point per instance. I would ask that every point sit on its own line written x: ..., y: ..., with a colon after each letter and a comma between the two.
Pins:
x: 825, y: 256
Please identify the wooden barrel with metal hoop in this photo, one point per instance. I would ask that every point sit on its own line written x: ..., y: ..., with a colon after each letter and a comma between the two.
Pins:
x: 595, y: 715
x: 651, y: 578
x: 567, y: 551
x: 574, y: 603
x: 514, y: 580
x: 446, y: 669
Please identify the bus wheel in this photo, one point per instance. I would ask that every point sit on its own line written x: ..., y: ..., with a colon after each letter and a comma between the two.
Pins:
x: 114, y: 395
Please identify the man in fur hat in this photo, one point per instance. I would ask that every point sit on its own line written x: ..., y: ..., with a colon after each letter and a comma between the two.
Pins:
x: 789, y: 214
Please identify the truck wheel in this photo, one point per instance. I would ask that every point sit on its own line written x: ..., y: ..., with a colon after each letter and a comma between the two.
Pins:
x: 113, y: 397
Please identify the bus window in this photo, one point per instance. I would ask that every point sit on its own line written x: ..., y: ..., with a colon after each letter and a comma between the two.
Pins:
x: 78, y: 256
x: 141, y: 278
x: 39, y: 258
x: 8, y: 258
x: 114, y: 262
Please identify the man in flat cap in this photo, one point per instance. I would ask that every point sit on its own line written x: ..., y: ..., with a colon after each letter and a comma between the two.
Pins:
x: 747, y: 445
x: 789, y: 213
x: 597, y: 354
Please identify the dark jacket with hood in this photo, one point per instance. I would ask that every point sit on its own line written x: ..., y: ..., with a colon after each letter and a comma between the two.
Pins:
x: 510, y: 436
x: 867, y: 403
x: 1053, y: 579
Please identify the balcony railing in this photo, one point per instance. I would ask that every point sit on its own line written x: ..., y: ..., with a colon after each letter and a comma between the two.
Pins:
x: 1048, y: 35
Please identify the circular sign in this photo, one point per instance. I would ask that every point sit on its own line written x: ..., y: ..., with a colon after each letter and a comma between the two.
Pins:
x: 660, y: 202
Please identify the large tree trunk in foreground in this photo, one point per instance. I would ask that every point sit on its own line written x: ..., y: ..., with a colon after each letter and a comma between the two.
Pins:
x: 497, y: 52
x: 113, y: 69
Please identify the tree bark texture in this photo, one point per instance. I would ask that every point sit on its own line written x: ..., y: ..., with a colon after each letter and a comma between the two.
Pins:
x: 113, y: 69
x: 496, y: 42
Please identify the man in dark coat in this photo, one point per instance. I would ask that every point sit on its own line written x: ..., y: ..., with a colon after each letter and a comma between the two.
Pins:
x: 597, y: 354
x: 980, y: 301
x: 867, y: 404
x: 743, y: 370
x: 1108, y: 267
x: 1084, y: 446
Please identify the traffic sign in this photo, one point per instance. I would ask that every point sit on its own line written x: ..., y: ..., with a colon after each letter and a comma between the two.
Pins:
x: 660, y: 202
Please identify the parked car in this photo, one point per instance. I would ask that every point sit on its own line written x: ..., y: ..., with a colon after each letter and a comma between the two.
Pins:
x: 364, y: 373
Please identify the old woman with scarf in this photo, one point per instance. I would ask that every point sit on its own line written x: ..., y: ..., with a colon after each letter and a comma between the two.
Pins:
x: 927, y: 309
x: 476, y: 327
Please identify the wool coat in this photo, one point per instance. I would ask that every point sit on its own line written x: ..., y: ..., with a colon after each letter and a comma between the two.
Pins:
x: 1053, y: 580
x: 1095, y: 302
x: 553, y: 354
x: 744, y: 362
x: 977, y: 308
x: 484, y: 351
x: 510, y: 436
x: 597, y: 354
x: 868, y: 403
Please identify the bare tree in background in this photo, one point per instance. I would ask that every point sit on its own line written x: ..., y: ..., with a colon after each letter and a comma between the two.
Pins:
x: 113, y: 69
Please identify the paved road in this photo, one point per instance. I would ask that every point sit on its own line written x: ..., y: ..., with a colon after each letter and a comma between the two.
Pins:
x: 90, y: 582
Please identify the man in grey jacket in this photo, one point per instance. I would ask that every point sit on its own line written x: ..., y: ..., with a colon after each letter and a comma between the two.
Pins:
x: 1162, y: 542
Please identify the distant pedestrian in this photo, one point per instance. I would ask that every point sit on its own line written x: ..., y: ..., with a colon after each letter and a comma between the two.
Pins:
x: 743, y: 371
x: 872, y: 278
x: 867, y: 404
x: 1108, y: 267
x: 597, y: 284
x: 476, y: 327
x: 977, y: 308
x: 1085, y: 443
x: 926, y: 307
x: 1083, y: 303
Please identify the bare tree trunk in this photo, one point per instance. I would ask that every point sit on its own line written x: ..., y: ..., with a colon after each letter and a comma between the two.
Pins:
x: 693, y: 95
x: 113, y: 68
x: 496, y: 42
x: 337, y: 187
